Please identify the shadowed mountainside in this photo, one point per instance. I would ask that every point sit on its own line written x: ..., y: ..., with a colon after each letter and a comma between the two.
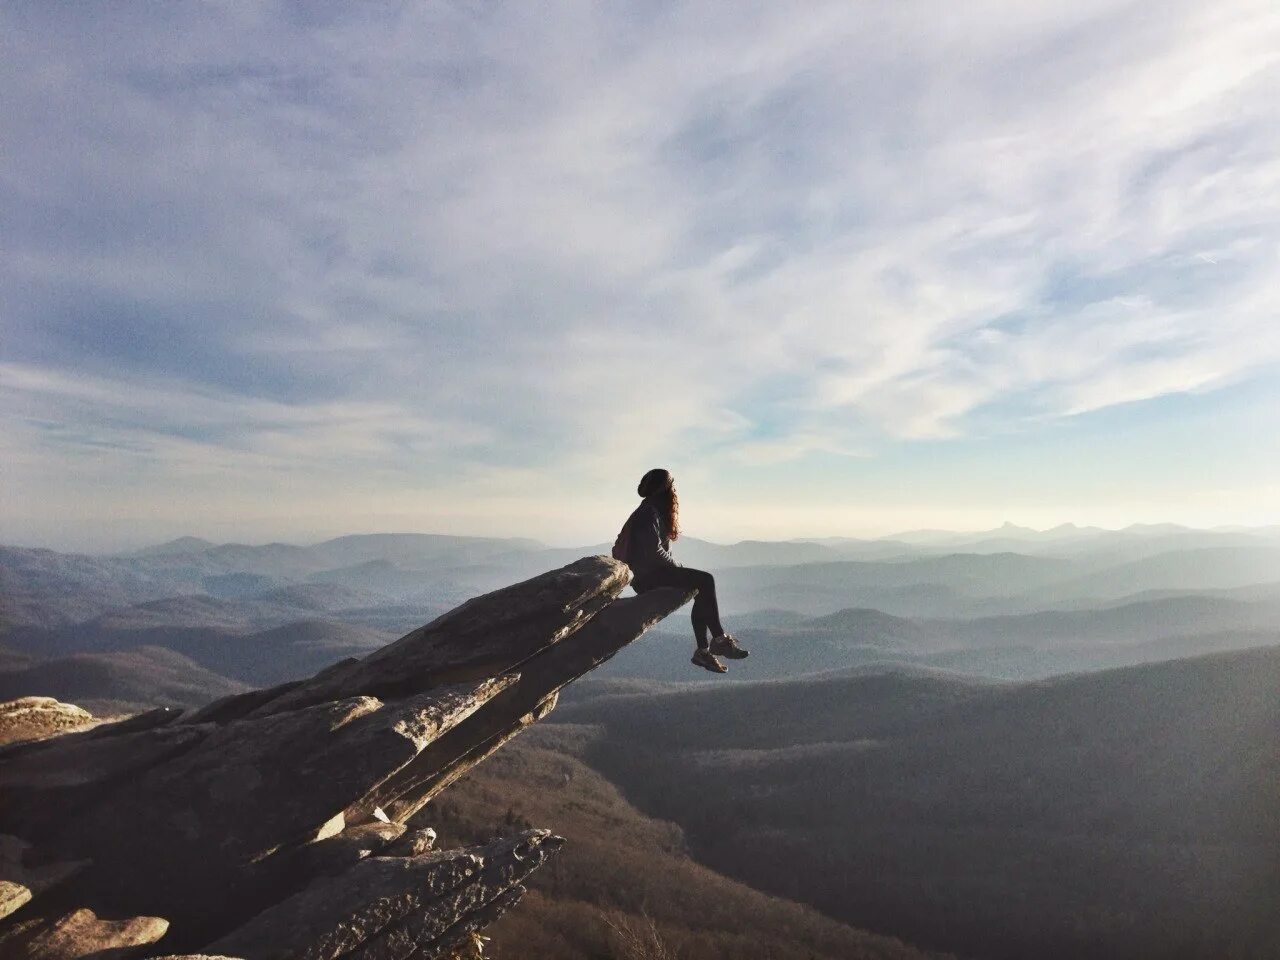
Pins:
x: 622, y: 876
x: 216, y: 635
x: 1129, y: 813
x: 120, y: 682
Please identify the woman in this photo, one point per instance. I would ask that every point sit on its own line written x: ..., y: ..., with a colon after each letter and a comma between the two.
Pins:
x: 645, y: 542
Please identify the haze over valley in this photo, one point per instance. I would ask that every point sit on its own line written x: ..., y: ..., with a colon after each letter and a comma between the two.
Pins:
x: 1007, y: 604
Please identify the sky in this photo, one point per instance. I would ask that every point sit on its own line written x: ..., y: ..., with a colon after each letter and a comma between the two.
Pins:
x: 285, y: 271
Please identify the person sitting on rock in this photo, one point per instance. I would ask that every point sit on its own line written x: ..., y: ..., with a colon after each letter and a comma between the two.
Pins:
x: 645, y: 545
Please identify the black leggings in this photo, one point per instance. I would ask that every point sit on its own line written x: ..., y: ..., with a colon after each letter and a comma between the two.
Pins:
x: 706, y: 611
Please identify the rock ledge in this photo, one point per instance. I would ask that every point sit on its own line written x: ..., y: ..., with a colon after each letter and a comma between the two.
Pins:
x: 271, y: 825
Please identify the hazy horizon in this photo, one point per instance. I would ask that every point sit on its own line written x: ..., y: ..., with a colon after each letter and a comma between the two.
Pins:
x: 944, y: 533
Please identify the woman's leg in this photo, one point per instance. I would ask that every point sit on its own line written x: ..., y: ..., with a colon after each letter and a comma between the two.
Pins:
x: 706, y: 611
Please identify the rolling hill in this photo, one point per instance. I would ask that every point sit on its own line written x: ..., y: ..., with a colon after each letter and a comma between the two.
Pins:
x: 225, y: 640
x: 119, y: 681
x: 956, y: 584
x: 1013, y: 646
x: 1195, y: 569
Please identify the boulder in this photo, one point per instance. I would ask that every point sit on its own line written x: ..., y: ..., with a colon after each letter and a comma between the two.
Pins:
x: 34, y: 718
x: 81, y: 934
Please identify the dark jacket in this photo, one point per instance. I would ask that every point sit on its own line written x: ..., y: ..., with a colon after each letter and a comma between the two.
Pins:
x: 649, y: 546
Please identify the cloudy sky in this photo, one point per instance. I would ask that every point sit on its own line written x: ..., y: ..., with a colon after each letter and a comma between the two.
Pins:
x: 302, y: 269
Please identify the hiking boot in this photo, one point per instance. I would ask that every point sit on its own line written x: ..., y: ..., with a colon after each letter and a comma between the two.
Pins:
x: 726, y: 645
x: 703, y: 658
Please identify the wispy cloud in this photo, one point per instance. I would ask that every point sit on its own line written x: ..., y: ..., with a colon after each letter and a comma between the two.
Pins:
x: 515, y: 243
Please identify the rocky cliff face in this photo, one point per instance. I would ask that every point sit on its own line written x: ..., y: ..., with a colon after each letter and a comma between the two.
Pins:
x: 272, y: 824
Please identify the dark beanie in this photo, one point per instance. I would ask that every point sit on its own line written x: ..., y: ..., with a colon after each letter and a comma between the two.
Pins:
x: 653, y: 482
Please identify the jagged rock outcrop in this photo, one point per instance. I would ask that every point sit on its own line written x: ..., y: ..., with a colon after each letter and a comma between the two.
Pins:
x: 385, y: 907
x: 270, y: 824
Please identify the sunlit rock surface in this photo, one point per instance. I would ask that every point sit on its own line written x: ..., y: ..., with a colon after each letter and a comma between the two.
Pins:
x: 30, y: 718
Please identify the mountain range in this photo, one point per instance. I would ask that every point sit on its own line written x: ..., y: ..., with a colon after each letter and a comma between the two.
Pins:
x: 1000, y: 744
x: 263, y: 614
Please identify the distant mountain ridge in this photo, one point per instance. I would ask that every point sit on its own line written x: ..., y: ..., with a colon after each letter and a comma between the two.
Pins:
x: 176, y: 547
x: 123, y: 680
x: 883, y: 601
x: 1010, y: 646
x: 254, y: 654
x: 50, y: 587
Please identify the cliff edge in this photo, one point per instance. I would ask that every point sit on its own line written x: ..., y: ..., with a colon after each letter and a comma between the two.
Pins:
x: 270, y: 825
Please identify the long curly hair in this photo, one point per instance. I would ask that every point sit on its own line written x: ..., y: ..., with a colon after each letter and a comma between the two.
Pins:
x: 660, y: 486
